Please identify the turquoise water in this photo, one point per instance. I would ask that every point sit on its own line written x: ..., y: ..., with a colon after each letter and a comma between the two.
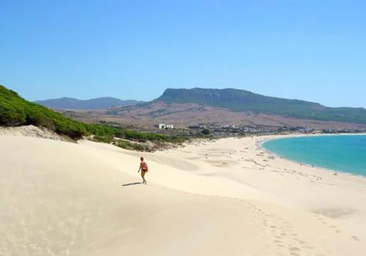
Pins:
x: 340, y: 153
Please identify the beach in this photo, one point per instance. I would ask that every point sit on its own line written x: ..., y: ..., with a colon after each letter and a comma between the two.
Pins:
x: 221, y: 197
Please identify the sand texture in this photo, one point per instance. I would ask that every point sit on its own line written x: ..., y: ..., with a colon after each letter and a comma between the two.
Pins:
x: 226, y: 197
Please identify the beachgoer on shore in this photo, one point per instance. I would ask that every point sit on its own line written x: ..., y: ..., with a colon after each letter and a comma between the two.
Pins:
x: 144, y: 169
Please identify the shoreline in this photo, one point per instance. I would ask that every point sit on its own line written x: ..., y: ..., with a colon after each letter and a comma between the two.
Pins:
x: 236, y: 158
x: 338, y: 172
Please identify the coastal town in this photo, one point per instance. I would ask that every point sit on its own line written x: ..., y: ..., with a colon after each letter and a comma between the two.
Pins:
x: 218, y: 131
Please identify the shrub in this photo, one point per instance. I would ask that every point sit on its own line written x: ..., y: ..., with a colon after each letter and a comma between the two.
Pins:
x: 103, y: 138
x: 131, y: 146
x: 205, y: 131
x: 15, y: 111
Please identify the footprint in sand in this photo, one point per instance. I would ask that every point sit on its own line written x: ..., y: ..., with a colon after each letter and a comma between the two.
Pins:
x: 278, y: 243
x: 294, y: 250
x: 300, y: 241
x: 355, y: 238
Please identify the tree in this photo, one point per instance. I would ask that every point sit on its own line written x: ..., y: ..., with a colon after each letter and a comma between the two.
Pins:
x: 205, y: 131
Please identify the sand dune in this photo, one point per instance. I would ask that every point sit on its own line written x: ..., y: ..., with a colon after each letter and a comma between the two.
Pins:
x: 60, y: 198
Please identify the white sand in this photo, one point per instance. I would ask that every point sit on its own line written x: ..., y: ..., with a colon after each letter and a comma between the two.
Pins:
x: 222, y: 198
x: 30, y: 131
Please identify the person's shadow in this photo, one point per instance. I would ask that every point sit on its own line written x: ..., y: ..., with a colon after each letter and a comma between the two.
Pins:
x: 131, y: 184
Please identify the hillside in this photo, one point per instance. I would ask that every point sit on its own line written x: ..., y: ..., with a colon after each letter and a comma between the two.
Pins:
x: 241, y: 100
x: 99, y: 103
x: 16, y: 111
x: 183, y: 115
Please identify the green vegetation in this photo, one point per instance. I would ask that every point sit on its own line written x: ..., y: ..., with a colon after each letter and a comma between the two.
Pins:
x: 16, y: 111
x: 131, y: 146
x: 240, y: 100
x: 106, y: 134
x: 104, y: 138
x: 205, y: 131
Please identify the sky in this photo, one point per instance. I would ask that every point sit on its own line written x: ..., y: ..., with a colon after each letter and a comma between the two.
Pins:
x: 312, y: 50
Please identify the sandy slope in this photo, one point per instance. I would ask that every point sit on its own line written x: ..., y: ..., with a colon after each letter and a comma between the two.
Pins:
x: 59, y: 198
x: 31, y: 131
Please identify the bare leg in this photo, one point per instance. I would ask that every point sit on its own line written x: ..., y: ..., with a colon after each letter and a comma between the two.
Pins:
x: 143, y: 177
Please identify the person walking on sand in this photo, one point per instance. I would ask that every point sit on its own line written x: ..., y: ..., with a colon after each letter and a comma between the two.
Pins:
x: 144, y: 169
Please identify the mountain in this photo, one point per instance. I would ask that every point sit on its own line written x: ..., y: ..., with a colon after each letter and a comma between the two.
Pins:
x: 183, y: 115
x: 16, y: 111
x: 240, y: 100
x: 99, y: 103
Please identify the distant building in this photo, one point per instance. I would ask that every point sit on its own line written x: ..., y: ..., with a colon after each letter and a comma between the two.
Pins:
x: 165, y: 126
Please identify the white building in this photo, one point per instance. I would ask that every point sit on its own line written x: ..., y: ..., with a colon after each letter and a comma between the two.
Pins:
x: 165, y: 126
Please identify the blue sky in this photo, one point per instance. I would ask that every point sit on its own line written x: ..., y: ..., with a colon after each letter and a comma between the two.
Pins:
x: 134, y: 49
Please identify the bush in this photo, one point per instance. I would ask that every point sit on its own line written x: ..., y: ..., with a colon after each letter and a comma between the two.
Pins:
x: 11, y: 115
x: 131, y: 146
x: 15, y: 111
x: 205, y: 132
x: 104, y: 138
x: 123, y: 144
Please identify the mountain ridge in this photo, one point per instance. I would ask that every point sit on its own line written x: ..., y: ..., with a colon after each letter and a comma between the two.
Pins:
x: 96, y: 103
x: 241, y: 100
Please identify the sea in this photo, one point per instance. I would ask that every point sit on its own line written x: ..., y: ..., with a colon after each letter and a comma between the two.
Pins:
x: 343, y: 153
